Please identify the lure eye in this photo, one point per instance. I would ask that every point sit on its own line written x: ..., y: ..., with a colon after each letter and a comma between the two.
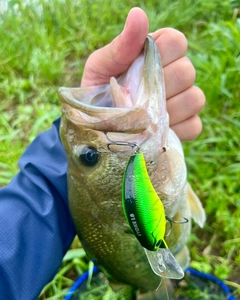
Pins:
x: 89, y: 156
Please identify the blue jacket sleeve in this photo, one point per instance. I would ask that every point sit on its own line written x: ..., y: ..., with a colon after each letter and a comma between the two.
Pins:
x: 36, y: 228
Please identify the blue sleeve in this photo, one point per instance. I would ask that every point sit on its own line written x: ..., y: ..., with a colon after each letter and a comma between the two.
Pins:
x: 36, y: 228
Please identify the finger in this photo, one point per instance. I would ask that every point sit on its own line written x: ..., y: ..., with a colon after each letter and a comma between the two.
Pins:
x: 127, y: 46
x: 185, y: 105
x: 179, y: 76
x: 188, y: 129
x: 116, y: 57
x: 172, y: 44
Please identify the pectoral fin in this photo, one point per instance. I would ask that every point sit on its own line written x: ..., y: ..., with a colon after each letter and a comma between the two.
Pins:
x: 197, y: 210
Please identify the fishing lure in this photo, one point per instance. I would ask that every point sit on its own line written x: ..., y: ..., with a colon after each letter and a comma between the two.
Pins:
x: 145, y: 215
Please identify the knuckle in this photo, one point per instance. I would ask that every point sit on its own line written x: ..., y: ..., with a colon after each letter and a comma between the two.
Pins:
x: 185, y: 73
x: 195, y: 127
x: 179, y: 41
x: 188, y: 129
x: 197, y: 99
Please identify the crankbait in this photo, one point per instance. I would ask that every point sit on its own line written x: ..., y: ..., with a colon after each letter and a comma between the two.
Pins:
x: 145, y: 215
x: 144, y: 210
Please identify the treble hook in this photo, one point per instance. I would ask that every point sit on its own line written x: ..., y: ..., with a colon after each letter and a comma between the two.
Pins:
x: 175, y: 222
x: 132, y: 145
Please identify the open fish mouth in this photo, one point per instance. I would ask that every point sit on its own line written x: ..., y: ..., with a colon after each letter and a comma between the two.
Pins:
x: 132, y: 103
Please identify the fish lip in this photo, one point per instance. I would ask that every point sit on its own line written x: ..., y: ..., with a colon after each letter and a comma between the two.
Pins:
x: 67, y: 97
x: 152, y: 73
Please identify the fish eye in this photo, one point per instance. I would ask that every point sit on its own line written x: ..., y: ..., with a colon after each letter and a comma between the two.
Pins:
x: 89, y: 156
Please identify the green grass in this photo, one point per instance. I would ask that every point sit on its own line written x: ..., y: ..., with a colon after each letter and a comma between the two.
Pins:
x: 44, y: 45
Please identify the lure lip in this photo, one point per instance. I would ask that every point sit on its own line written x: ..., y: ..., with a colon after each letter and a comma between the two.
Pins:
x: 164, y: 264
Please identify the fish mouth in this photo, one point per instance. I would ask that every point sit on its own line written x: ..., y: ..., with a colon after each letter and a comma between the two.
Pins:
x: 131, y: 103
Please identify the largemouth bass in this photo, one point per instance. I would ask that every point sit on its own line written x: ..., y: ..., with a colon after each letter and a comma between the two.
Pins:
x: 99, y: 128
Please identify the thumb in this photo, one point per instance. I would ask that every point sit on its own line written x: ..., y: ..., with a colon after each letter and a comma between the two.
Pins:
x: 116, y: 57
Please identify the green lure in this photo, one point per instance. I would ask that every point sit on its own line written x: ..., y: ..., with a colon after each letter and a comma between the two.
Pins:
x: 142, y: 207
x: 145, y: 215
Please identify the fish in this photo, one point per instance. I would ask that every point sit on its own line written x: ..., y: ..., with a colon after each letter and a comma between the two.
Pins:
x: 101, y: 127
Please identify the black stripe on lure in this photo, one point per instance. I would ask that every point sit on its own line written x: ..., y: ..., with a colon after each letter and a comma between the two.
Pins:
x: 144, y: 212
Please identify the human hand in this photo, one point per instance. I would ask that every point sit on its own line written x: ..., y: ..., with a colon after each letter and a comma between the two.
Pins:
x: 184, y: 101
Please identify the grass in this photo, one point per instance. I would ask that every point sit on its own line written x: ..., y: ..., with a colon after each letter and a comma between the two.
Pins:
x: 44, y: 45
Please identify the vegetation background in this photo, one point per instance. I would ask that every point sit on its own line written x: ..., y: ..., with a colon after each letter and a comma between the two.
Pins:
x: 44, y: 45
